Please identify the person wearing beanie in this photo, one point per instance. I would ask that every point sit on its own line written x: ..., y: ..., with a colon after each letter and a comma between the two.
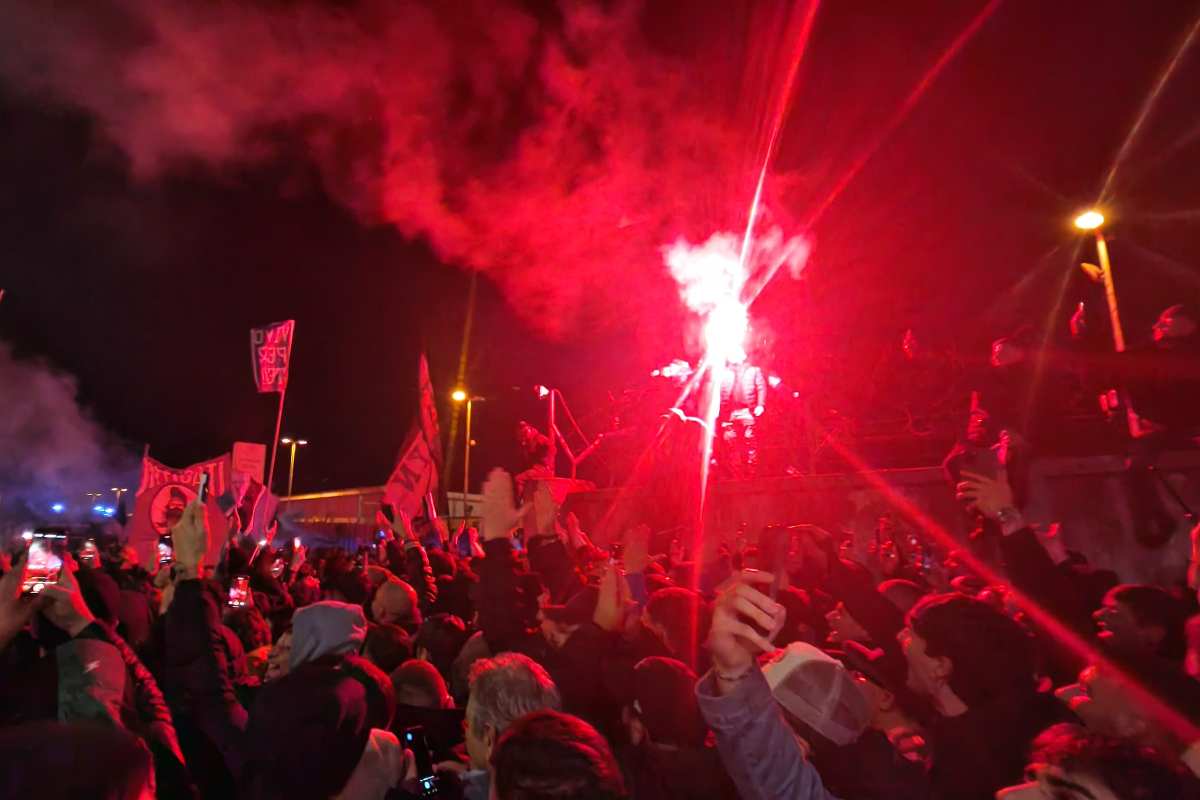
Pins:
x: 668, y: 755
x: 326, y: 628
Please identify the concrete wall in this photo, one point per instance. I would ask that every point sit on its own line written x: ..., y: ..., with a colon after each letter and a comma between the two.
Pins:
x: 1086, y: 495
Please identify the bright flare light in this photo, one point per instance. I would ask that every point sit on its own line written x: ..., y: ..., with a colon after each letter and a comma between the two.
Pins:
x: 458, y: 396
x: 1089, y: 220
x: 58, y: 508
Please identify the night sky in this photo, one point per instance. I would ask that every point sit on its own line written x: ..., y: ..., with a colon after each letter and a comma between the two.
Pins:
x: 144, y: 288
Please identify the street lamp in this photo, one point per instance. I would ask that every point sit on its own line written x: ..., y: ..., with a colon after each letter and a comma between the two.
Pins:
x: 1093, y: 220
x: 118, y: 492
x: 292, y: 444
x: 463, y: 396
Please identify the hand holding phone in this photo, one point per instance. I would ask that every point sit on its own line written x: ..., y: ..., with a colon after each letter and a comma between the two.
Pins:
x: 427, y: 781
x: 239, y: 592
x: 43, y: 561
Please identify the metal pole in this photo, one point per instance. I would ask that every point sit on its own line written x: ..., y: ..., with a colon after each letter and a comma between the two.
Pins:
x: 552, y: 432
x: 467, y: 456
x: 291, y: 467
x: 1114, y: 316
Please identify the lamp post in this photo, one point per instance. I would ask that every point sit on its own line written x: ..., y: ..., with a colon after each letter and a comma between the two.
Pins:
x: 1093, y: 220
x: 118, y: 492
x: 463, y: 396
x: 292, y: 444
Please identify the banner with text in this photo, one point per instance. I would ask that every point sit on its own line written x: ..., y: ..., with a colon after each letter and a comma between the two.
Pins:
x: 420, y: 459
x: 163, y: 494
x: 271, y: 354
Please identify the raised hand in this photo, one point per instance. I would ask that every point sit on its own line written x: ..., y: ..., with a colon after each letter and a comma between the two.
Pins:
x: 189, y: 538
x: 637, y: 549
x: 65, y: 606
x: 744, y: 622
x: 989, y: 496
x: 499, y: 516
x: 16, y: 608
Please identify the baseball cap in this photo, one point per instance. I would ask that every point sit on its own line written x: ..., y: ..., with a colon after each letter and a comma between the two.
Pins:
x: 816, y: 689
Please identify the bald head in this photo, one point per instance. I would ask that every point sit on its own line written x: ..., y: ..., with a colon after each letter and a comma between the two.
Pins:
x: 395, y: 603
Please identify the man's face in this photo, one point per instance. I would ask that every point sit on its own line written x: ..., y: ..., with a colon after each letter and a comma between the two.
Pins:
x: 1048, y: 782
x: 924, y: 671
x: 845, y: 628
x: 556, y: 634
x: 1102, y: 706
x: 1118, y: 627
x: 479, y: 747
x: 1173, y: 324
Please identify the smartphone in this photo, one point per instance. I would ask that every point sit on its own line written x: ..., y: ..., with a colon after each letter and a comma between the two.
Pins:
x: 277, y: 567
x: 296, y: 543
x: 239, y: 592
x: 773, y: 545
x: 427, y: 781
x: 202, y: 490
x: 43, y: 560
x: 88, y: 553
x: 166, y: 552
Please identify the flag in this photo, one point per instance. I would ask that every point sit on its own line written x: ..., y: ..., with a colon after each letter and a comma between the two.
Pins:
x: 162, y: 495
x: 271, y: 354
x: 420, y: 459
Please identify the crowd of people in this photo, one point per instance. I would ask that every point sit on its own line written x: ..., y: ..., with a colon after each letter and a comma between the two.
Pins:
x: 528, y: 664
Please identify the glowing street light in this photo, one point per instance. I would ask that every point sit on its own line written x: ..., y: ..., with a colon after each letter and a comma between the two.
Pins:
x: 293, y: 444
x: 463, y: 396
x: 1089, y: 220
x: 1092, y: 221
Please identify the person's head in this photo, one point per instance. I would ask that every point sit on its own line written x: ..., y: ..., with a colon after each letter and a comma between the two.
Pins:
x: 547, y: 755
x: 1135, y: 619
x: 502, y: 689
x: 664, y: 708
x: 387, y: 646
x: 417, y: 683
x: 80, y: 759
x: 903, y: 594
x: 1070, y: 763
x: 1148, y: 712
x: 439, y: 641
x: 559, y: 622
x: 882, y: 678
x: 1176, y: 322
x: 845, y: 628
x: 396, y: 603
x: 324, y: 629
x: 822, y: 701
x: 307, y: 731
x: 962, y: 650
x: 442, y: 563
x: 680, y: 618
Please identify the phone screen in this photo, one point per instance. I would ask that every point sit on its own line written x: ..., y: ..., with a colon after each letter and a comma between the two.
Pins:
x: 239, y: 592
x: 165, y: 551
x: 43, y: 561
x: 414, y: 740
x: 88, y: 553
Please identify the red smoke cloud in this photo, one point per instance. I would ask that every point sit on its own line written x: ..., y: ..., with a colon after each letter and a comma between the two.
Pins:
x: 557, y: 153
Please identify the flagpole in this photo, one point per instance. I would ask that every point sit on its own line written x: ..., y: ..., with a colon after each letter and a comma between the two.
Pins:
x: 287, y: 379
x: 275, y: 441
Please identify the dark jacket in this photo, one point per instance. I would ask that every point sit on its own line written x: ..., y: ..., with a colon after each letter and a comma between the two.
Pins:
x: 985, y: 749
x: 208, y: 717
x: 759, y: 750
x: 656, y: 772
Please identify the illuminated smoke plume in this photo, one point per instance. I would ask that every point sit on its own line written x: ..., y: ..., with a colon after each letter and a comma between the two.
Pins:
x: 51, y: 450
x: 556, y: 152
x: 718, y: 282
